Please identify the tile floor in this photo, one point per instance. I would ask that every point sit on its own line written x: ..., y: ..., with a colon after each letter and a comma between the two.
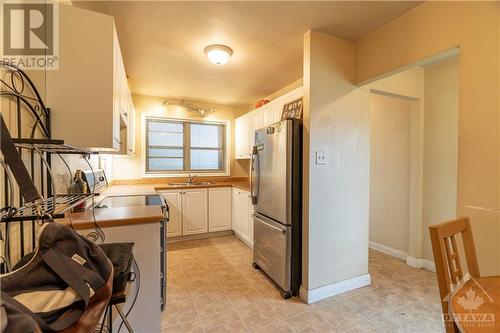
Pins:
x: 212, y: 287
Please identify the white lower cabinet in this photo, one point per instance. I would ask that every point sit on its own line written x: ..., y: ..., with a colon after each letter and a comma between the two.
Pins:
x: 202, y: 210
x: 242, y: 216
x: 219, y: 209
x: 188, y: 211
x: 198, y: 211
x: 174, y: 201
x: 194, y: 211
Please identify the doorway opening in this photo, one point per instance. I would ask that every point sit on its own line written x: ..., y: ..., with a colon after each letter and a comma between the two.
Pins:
x: 414, y: 158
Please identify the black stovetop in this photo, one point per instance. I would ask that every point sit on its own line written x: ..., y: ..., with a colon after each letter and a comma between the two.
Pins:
x: 131, y: 201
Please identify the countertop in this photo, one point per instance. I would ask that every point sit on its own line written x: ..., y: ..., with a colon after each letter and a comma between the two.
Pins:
x: 122, y: 216
x: 141, y: 186
x: 113, y: 217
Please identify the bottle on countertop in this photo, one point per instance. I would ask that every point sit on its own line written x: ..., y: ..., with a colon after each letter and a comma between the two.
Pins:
x: 78, y: 186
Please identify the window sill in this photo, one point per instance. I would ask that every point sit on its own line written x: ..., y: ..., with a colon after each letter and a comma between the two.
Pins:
x: 180, y: 175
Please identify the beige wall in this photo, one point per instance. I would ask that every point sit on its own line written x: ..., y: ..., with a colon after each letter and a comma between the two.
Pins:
x: 431, y: 28
x: 440, y: 148
x: 390, y: 133
x: 132, y: 168
x: 336, y: 121
x: 409, y: 84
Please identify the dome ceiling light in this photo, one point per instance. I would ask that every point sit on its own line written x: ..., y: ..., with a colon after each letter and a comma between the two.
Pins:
x: 218, y: 54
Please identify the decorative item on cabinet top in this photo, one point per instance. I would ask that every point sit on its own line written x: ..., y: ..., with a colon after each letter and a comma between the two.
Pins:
x: 260, y: 103
x: 293, y: 109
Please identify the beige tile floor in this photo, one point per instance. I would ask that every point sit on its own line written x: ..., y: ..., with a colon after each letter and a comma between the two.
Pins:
x: 212, y: 287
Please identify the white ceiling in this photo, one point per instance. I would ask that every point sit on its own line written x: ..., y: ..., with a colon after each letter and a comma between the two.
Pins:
x: 162, y: 42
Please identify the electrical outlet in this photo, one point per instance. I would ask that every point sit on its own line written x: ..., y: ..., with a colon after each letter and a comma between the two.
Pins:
x: 320, y: 158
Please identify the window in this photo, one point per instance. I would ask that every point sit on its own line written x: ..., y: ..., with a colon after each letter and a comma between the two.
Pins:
x: 175, y: 146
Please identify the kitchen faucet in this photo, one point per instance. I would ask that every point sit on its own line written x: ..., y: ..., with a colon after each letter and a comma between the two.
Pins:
x: 191, y: 178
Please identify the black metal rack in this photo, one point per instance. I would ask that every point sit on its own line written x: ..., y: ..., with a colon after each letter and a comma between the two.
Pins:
x: 25, y: 110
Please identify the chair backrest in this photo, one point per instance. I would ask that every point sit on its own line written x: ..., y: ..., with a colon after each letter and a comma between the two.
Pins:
x: 444, y: 247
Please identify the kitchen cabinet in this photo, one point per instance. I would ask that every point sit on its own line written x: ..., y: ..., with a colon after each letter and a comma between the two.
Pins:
x: 243, y: 136
x: 174, y: 201
x: 89, y: 90
x: 194, y: 211
x: 219, y: 209
x: 267, y: 114
x: 201, y: 210
x: 242, y: 216
x: 188, y: 211
x: 127, y: 133
x: 131, y: 129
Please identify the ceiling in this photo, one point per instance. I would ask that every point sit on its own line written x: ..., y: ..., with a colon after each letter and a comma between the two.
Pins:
x: 162, y: 42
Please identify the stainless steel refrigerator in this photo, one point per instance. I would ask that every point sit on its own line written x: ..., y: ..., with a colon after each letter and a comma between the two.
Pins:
x: 276, y: 189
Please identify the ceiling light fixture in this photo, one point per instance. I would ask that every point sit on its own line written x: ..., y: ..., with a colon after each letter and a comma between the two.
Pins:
x: 218, y: 54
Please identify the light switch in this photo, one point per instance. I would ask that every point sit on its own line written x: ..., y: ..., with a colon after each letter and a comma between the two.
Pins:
x: 320, y: 158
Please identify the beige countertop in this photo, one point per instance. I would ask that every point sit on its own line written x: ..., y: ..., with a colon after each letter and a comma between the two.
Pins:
x: 141, y: 186
x: 113, y: 217
x: 122, y: 216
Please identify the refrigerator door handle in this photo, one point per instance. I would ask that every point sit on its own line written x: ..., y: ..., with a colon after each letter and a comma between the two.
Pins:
x: 263, y: 219
x: 254, y: 176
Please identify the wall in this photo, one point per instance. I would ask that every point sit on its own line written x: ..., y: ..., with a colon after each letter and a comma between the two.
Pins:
x: 131, y: 168
x: 425, y: 31
x: 409, y: 84
x: 292, y: 86
x: 440, y: 148
x: 336, y: 121
x: 390, y: 153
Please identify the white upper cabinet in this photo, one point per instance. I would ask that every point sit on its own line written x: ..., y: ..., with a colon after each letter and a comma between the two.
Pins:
x: 266, y: 115
x: 243, y: 140
x: 89, y: 92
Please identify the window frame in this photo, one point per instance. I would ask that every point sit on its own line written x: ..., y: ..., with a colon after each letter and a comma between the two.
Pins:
x: 224, y: 127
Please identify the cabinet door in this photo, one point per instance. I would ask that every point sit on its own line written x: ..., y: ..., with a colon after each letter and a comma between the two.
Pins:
x: 265, y: 110
x: 245, y: 214
x: 277, y: 110
x: 194, y: 211
x: 249, y: 216
x: 117, y: 88
x: 236, y: 225
x: 174, y: 225
x: 240, y: 136
x: 219, y: 209
x: 258, y: 120
x: 131, y: 128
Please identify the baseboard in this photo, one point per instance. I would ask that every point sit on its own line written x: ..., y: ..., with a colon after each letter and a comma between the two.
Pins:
x: 243, y: 239
x: 315, y: 295
x: 390, y: 251
x: 428, y: 265
x: 421, y: 263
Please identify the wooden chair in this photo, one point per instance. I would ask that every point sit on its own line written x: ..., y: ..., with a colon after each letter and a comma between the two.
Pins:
x: 448, y: 268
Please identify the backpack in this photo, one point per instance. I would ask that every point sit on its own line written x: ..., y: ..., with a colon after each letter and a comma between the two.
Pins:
x: 64, y: 286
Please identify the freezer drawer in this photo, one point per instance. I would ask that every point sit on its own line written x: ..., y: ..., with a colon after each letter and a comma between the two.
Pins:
x: 272, y: 250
